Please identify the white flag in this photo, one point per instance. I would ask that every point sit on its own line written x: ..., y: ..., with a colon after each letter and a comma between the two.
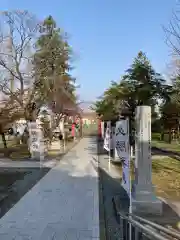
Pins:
x: 102, y: 129
x: 123, y: 151
x: 107, y: 139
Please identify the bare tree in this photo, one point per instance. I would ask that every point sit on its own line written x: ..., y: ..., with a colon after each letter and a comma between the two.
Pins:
x: 172, y: 34
x: 20, y: 83
x: 9, y: 112
x: 18, y: 32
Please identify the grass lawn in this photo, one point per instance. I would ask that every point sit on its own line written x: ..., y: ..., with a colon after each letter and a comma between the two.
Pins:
x: 16, y: 151
x: 21, y: 151
x: 174, y: 146
x: 165, y: 177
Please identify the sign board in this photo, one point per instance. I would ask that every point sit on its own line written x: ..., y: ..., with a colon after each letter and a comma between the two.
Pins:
x: 36, y: 143
x: 123, y: 150
x: 107, y: 138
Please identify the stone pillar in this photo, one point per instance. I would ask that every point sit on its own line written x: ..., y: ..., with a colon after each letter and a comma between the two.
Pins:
x: 143, y: 197
x: 36, y: 141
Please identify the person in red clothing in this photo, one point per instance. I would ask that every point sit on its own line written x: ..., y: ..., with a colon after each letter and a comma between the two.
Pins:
x: 73, y: 130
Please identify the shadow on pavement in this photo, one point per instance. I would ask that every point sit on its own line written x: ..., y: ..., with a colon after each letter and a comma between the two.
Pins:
x: 11, y: 194
x: 110, y: 189
x: 66, y: 198
x: 20, y: 187
x: 70, y: 189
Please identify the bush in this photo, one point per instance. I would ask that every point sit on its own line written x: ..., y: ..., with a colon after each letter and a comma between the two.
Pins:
x: 156, y: 136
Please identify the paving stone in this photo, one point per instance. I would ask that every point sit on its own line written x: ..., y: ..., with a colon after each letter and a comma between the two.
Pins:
x: 64, y: 204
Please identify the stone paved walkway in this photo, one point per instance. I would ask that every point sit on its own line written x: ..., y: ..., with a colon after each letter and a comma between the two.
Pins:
x: 62, y: 205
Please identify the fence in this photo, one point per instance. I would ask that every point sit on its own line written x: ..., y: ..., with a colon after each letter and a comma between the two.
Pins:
x: 133, y: 227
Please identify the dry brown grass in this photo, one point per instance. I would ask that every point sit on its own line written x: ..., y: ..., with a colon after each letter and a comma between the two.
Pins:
x: 165, y: 177
x: 174, y: 146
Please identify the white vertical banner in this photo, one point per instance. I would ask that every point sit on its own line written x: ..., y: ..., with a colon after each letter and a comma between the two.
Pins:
x: 102, y: 129
x: 107, y: 138
x: 123, y: 151
x: 62, y: 131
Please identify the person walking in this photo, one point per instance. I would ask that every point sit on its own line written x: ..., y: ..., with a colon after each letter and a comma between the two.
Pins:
x: 61, y: 141
x: 60, y: 136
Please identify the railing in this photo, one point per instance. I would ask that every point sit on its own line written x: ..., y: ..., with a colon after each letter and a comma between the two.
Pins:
x: 133, y: 227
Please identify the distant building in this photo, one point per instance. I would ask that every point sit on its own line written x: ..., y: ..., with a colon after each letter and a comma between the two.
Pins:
x: 89, y: 117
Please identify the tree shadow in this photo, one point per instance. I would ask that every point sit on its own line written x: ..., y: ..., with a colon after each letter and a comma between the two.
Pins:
x: 100, y: 147
x: 66, y: 198
x: 14, y: 192
x: 162, y: 152
x: 69, y: 192
x: 112, y: 190
x: 119, y: 198
x: 19, y: 187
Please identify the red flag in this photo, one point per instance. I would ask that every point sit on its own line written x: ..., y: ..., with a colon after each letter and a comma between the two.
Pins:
x: 73, y: 130
x: 99, y: 128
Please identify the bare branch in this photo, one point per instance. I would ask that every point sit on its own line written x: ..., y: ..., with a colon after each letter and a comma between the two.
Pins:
x: 22, y: 30
x: 172, y: 34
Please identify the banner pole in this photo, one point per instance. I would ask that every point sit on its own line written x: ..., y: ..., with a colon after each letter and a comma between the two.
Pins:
x: 109, y: 154
x: 64, y: 143
x: 130, y: 182
x: 109, y: 144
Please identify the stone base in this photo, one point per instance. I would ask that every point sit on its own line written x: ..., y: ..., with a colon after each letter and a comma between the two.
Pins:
x: 147, y: 207
x: 168, y: 216
x: 116, y: 160
x: 144, y: 200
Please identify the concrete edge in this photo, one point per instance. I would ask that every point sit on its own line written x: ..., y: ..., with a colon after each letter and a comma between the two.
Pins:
x: 172, y: 205
x: 102, y: 223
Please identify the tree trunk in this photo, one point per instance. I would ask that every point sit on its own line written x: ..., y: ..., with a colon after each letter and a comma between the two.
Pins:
x: 4, y: 140
x: 162, y: 136
x: 3, y: 136
x: 169, y: 138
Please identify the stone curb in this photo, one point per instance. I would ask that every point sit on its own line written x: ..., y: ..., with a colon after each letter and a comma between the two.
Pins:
x: 102, y: 222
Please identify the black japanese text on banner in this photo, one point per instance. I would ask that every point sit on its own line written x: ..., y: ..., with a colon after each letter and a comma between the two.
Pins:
x: 36, y: 143
x: 122, y: 147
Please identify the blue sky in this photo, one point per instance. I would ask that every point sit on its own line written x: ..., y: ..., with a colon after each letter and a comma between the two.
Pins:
x: 106, y: 35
